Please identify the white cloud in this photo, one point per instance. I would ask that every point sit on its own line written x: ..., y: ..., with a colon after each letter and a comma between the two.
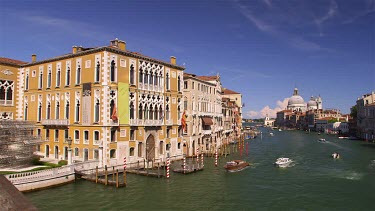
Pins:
x: 280, y: 105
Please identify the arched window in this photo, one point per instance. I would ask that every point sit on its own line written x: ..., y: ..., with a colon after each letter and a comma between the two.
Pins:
x: 167, y: 112
x: 77, y: 111
x: 57, y: 110
x: 48, y: 111
x: 156, y: 79
x: 78, y: 75
x: 145, y: 114
x: 156, y: 113
x: 131, y: 110
x: 67, y: 110
x: 58, y: 77
x: 161, y: 115
x: 40, y: 112
x: 112, y: 107
x: 167, y: 81
x: 146, y: 77
x: 112, y: 153
x: 96, y: 111
x: 179, y: 83
x: 40, y: 79
x: 26, y: 111
x: 151, y: 113
x: 140, y: 75
x: 68, y: 77
x: 132, y: 74
x: 97, y: 72
x: 113, y: 71
x: 27, y: 82
x: 49, y: 78
x: 151, y: 78
x: 140, y: 114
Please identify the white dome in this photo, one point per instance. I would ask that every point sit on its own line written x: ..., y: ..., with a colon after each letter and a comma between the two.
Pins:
x: 311, y: 103
x: 296, y: 100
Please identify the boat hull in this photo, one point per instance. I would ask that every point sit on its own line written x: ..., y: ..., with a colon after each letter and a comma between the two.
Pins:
x: 239, y: 167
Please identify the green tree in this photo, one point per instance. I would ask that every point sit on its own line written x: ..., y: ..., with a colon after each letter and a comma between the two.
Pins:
x: 353, y: 112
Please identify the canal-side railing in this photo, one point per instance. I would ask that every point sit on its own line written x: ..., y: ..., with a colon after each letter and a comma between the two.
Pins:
x: 38, y: 179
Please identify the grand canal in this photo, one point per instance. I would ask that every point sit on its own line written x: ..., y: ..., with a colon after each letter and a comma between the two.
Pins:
x: 315, y: 182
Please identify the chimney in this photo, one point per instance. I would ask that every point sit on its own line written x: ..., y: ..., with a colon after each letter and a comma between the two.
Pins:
x: 173, y: 60
x: 33, y: 58
x: 74, y: 49
x: 79, y: 49
x: 122, y: 45
x: 114, y: 43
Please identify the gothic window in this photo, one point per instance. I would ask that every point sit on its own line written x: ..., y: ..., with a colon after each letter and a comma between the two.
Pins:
x: 146, y: 77
x: 58, y: 77
x: 132, y: 74
x: 112, y: 107
x: 140, y: 75
x: 156, y: 79
x: 26, y: 111
x: 67, y: 77
x: 6, y: 92
x: 156, y: 112
x: 40, y: 80
x: 145, y: 113
x: 48, y: 110
x: 161, y: 116
x: 151, y: 113
x: 97, y: 72
x: 131, y: 110
x: 49, y: 78
x: 67, y: 107
x: 96, y: 111
x: 78, y: 75
x: 167, y: 81
x: 140, y: 114
x: 167, y: 112
x: 27, y: 82
x: 40, y: 112
x: 57, y: 110
x: 112, y: 71
x: 151, y: 77
x: 179, y: 83
x: 77, y: 111
x: 179, y: 112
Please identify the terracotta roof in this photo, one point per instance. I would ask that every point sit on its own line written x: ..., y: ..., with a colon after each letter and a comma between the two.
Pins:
x: 11, y: 62
x: 228, y: 92
x: 189, y: 74
x: 207, y: 78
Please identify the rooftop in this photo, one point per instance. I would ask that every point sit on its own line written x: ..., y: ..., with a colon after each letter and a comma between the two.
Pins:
x: 11, y: 62
x: 228, y: 91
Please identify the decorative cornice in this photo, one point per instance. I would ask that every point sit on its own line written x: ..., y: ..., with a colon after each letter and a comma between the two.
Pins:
x: 106, y: 48
x: 7, y: 72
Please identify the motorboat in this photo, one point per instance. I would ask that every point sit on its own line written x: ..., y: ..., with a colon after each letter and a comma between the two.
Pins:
x: 236, y: 165
x: 280, y: 129
x: 336, y: 155
x: 271, y: 134
x: 283, y: 162
x: 323, y: 140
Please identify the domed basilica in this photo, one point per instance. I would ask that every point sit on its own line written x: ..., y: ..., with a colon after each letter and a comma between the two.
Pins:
x: 297, y: 104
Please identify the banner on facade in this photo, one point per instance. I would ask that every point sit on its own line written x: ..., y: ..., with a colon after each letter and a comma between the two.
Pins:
x: 123, y: 103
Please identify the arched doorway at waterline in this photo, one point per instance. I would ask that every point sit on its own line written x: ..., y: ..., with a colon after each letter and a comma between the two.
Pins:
x: 47, y: 151
x: 150, y: 148
x: 56, y: 152
x: 185, y: 149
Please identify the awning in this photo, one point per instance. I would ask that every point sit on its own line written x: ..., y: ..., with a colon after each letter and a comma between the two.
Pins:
x: 207, y: 121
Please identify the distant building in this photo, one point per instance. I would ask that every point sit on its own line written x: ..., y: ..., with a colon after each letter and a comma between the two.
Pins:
x: 237, y: 98
x: 366, y: 116
x: 269, y: 122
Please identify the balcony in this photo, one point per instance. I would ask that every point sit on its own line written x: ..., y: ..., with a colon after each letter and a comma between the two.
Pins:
x: 76, y: 141
x: 133, y: 122
x: 169, y: 122
x: 207, y: 132
x: 114, y: 122
x: 56, y: 122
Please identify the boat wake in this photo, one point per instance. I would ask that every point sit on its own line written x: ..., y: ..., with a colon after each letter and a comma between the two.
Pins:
x: 350, y: 175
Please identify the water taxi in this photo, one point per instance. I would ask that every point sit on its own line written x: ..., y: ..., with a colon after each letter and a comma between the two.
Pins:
x: 236, y: 165
x: 283, y: 162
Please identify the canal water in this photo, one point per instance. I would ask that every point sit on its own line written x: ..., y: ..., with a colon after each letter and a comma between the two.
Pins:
x: 315, y: 182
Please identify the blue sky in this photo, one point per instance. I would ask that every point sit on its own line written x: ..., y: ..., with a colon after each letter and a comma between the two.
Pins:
x: 261, y: 48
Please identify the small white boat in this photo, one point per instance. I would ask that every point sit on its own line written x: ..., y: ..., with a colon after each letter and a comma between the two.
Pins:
x: 336, y: 155
x: 280, y: 130
x: 283, y: 162
x: 271, y: 134
x: 323, y: 140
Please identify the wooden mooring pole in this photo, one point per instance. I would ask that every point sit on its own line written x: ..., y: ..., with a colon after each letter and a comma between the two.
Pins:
x: 106, y: 175
x: 116, y: 178
x: 96, y: 174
